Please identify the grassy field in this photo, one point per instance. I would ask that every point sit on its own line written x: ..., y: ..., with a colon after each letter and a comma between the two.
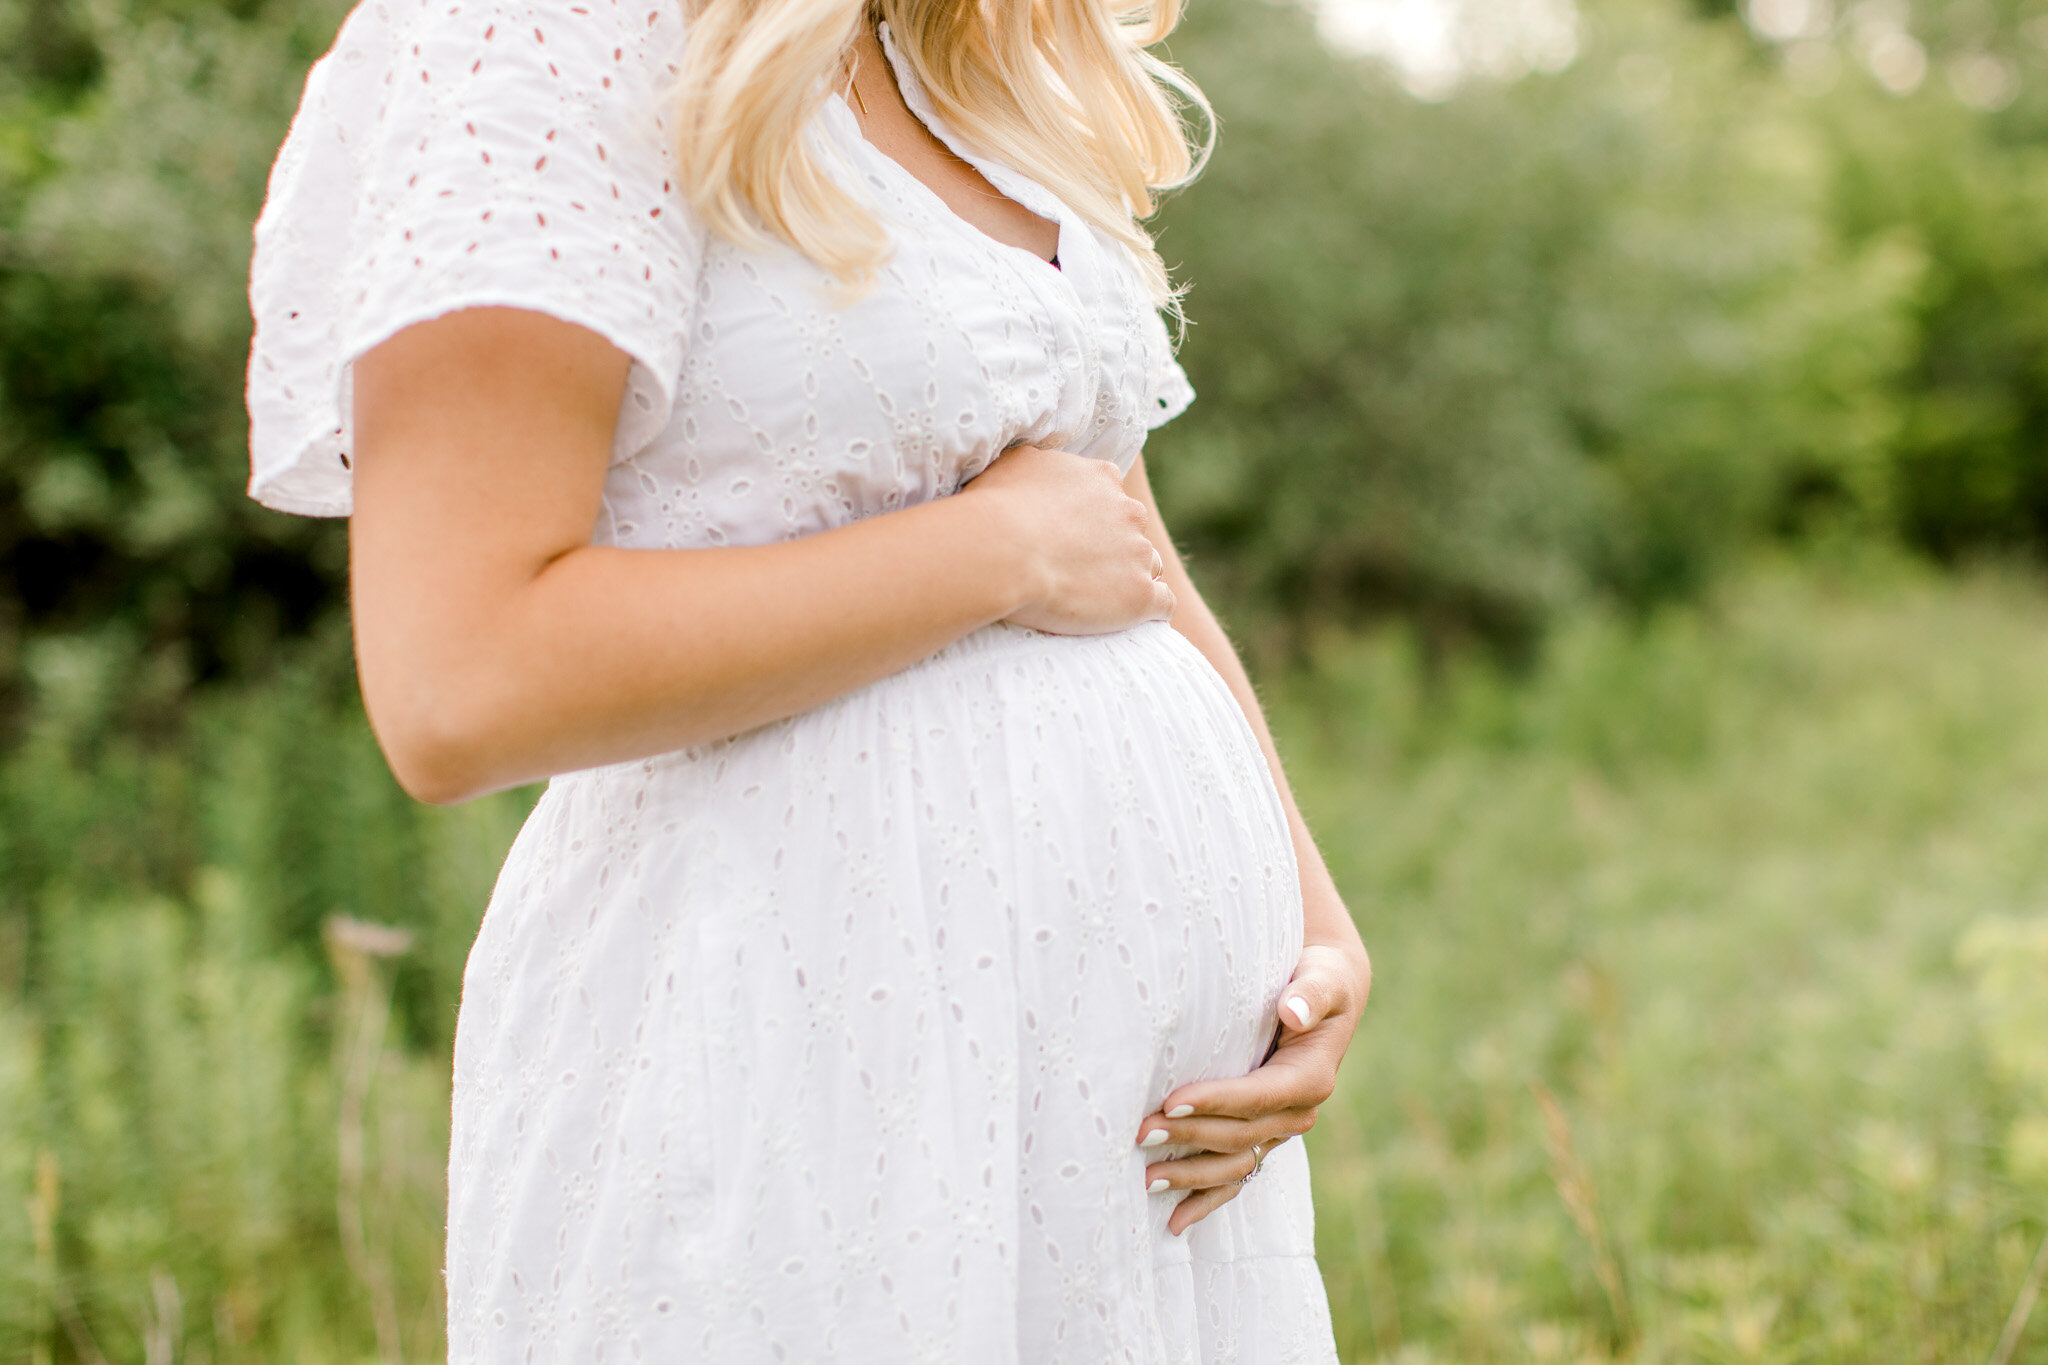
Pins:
x: 1712, y: 1020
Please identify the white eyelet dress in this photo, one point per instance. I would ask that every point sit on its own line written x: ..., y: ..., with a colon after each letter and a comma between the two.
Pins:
x: 829, y: 1041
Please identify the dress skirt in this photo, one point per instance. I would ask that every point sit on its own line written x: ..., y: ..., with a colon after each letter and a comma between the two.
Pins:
x: 830, y: 1041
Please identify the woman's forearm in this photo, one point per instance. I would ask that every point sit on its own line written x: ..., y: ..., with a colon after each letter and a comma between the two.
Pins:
x: 497, y: 645
x: 608, y: 654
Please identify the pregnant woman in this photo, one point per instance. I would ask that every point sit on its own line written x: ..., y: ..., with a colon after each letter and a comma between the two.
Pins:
x: 739, y: 410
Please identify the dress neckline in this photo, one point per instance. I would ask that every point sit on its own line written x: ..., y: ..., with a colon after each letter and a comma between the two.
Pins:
x: 1020, y: 189
x: 1071, y: 291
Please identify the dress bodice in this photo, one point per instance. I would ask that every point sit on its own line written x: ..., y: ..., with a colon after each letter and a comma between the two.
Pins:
x: 484, y: 152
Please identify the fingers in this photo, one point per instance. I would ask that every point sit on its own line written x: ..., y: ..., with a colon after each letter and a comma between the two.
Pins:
x: 1213, y: 1133
x: 1302, y: 1072
x: 1301, y: 1075
x: 1213, y: 1178
x: 1089, y: 538
x: 1322, y: 986
x: 1198, y: 1206
x: 1218, y: 1122
x: 1206, y: 1170
x: 1202, y: 1171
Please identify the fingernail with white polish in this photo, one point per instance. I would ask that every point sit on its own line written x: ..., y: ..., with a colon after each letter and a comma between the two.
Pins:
x: 1156, y: 1186
x: 1298, y: 1007
x: 1154, y: 1138
x: 1180, y: 1111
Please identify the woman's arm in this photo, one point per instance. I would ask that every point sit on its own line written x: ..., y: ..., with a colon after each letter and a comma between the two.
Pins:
x: 1321, y: 1005
x: 496, y: 645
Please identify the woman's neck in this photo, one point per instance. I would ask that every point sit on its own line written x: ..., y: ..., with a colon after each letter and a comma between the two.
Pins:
x: 886, y: 121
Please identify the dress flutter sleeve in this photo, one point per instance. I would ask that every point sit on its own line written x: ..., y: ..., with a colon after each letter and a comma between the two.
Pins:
x: 1167, y: 390
x: 460, y: 154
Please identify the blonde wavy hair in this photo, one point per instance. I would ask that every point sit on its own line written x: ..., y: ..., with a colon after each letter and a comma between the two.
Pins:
x: 1063, y: 91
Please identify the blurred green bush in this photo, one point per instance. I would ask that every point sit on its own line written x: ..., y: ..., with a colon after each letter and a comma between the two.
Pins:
x: 1577, y: 334
x: 1592, y: 333
x: 135, y: 139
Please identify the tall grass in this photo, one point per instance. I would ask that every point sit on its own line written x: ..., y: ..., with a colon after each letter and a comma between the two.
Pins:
x: 212, y: 1146
x: 1759, y: 893
x: 1712, y: 1020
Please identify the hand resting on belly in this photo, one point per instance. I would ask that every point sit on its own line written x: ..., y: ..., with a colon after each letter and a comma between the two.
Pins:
x: 497, y: 645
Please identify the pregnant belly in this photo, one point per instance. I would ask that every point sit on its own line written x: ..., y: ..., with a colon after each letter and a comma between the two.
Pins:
x: 1067, y: 813
x: 912, y: 964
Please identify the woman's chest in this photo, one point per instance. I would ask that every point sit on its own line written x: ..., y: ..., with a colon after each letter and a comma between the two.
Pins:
x: 797, y: 411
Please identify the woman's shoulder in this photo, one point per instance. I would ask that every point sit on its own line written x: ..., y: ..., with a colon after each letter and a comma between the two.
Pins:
x: 465, y: 153
x: 426, y: 34
x: 398, y: 67
x: 497, y: 99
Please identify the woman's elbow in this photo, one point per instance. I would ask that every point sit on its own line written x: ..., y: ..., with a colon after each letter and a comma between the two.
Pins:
x: 433, y: 779
x: 435, y: 747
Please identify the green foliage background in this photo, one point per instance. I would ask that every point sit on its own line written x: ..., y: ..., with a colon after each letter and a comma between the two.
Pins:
x: 1585, y: 336
x: 1709, y: 898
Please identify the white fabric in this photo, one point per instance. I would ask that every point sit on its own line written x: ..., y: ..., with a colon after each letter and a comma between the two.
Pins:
x: 828, y: 1041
